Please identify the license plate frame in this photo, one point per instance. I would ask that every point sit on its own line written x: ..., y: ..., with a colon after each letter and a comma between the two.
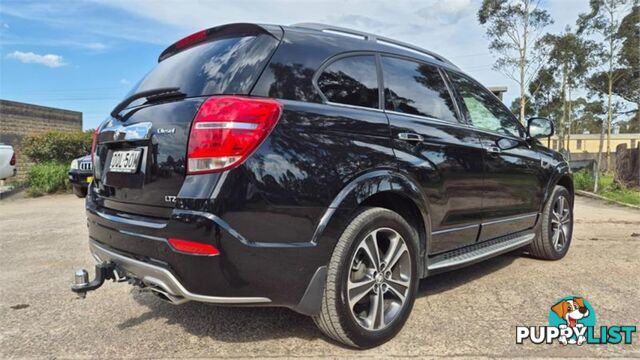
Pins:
x: 125, y: 161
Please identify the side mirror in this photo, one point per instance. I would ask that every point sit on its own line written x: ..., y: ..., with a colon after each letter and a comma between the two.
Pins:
x: 539, y: 127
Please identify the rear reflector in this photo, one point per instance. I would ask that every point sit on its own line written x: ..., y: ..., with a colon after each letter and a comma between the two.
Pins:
x: 227, y: 129
x: 194, y: 248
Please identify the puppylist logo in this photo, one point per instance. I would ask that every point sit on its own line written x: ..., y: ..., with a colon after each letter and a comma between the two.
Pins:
x: 572, y: 321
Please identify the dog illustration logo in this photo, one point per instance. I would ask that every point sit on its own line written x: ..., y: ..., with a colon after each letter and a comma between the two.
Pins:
x: 572, y: 312
x: 572, y: 320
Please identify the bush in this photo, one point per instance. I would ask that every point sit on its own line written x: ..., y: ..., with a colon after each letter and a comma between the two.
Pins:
x: 583, y: 180
x: 56, y: 146
x: 47, y: 178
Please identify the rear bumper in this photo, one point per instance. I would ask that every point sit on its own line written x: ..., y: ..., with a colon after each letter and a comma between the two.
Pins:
x: 244, y: 273
x: 161, y: 279
x: 79, y: 179
x: 7, y: 172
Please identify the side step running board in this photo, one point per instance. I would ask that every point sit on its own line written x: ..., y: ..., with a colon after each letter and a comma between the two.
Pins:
x: 478, y: 252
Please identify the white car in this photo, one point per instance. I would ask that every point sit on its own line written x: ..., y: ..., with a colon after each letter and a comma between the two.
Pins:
x: 7, y: 162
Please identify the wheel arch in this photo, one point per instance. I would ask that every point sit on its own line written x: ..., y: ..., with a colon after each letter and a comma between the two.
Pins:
x: 380, y: 188
x: 566, y: 181
x: 562, y: 178
x: 405, y: 207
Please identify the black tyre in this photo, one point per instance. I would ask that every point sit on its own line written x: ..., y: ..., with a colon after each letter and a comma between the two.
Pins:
x: 80, y: 191
x: 372, y: 280
x: 556, y: 229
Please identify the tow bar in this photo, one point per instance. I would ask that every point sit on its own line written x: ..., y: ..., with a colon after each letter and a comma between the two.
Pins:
x: 104, y: 271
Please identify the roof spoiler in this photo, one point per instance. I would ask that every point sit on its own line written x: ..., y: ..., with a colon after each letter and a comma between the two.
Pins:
x: 222, y: 31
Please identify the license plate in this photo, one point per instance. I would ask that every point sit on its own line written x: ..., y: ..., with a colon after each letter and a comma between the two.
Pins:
x: 125, y: 161
x: 89, y: 179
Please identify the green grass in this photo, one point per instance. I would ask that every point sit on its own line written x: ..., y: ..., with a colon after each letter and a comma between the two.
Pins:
x: 583, y: 180
x: 626, y: 196
x: 606, y: 181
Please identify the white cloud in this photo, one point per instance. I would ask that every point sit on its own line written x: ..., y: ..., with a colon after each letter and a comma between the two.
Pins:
x: 447, y: 12
x: 94, y: 46
x: 50, y: 60
x: 124, y: 81
x: 5, y: 25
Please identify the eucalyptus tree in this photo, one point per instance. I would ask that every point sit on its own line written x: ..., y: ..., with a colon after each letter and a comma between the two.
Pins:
x: 605, y: 19
x: 588, y: 115
x: 570, y: 58
x: 514, y: 27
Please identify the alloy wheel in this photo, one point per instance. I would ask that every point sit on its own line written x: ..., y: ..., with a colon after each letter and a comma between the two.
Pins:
x: 379, y: 280
x: 560, y: 223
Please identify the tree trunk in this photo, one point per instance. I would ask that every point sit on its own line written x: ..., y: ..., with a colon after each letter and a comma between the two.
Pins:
x: 563, y: 119
x: 609, y: 118
x: 523, y: 63
x: 523, y: 103
x: 610, y: 78
x: 599, y: 160
x: 569, y: 122
x: 627, y: 166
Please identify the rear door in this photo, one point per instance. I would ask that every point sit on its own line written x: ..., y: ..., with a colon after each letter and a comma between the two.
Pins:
x: 433, y: 147
x: 140, y: 162
x: 513, y: 176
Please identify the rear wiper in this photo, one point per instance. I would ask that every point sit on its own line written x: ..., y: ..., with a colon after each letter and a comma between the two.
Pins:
x: 150, y: 95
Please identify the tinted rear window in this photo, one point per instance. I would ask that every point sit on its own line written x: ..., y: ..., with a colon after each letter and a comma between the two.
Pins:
x: 223, y: 66
x: 416, y: 88
x: 351, y: 81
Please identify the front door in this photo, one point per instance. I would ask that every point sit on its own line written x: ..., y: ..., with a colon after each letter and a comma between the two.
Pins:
x: 513, y: 178
x: 432, y: 146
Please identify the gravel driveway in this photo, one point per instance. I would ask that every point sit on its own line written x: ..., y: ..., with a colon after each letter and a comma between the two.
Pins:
x: 469, y: 312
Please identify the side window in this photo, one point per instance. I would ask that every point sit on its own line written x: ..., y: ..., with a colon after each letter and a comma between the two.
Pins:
x: 416, y: 88
x: 485, y: 110
x: 351, y: 81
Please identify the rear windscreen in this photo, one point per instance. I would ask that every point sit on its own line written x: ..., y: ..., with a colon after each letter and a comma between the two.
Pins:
x: 229, y: 65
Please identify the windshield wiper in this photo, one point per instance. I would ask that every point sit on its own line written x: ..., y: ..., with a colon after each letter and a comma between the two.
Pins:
x: 150, y: 95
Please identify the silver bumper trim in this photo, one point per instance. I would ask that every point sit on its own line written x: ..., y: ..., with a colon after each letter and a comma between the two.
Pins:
x: 155, y: 276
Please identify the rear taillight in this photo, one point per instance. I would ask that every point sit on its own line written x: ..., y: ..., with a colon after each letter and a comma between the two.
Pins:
x: 227, y: 129
x: 94, y: 142
x: 12, y: 162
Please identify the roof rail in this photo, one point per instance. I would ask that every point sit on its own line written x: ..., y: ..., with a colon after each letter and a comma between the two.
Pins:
x: 372, y: 37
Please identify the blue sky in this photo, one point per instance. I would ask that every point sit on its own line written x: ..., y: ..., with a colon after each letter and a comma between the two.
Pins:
x: 85, y: 55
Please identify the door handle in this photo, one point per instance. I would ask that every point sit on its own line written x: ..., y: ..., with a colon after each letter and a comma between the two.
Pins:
x: 494, y: 150
x: 410, y: 137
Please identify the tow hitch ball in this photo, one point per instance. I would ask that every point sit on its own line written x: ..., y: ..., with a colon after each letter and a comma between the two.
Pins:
x: 104, y: 271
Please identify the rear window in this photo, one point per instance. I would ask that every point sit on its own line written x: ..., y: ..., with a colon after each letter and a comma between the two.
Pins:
x: 228, y: 65
x: 417, y: 89
x: 351, y: 81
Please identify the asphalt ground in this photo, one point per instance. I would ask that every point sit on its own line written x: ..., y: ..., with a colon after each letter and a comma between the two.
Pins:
x: 470, y: 312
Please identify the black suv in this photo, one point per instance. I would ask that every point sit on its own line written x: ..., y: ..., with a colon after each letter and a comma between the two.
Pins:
x: 81, y: 175
x: 317, y: 168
